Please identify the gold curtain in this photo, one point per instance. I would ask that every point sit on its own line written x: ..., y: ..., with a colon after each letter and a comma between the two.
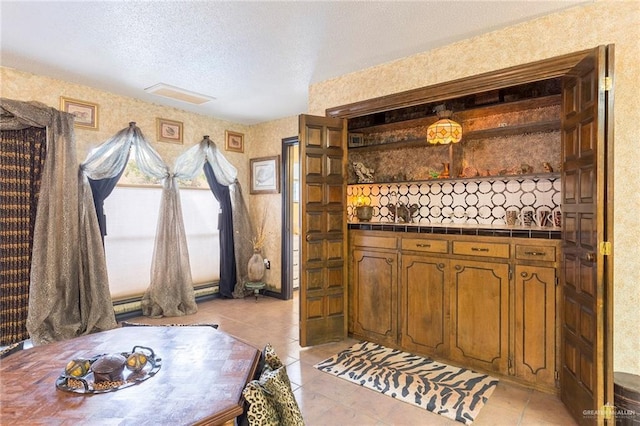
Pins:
x: 22, y: 155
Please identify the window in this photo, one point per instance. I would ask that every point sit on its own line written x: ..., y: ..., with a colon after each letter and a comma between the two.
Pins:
x: 132, y: 218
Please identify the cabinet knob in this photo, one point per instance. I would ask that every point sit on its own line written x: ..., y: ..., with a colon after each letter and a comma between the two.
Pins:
x: 308, y: 238
x: 389, y: 260
x: 591, y: 257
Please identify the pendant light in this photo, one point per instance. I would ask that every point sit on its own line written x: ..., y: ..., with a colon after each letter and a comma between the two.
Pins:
x: 444, y: 131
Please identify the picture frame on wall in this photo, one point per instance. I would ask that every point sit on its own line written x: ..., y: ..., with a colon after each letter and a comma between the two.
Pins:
x: 85, y: 113
x: 265, y: 175
x: 234, y: 141
x: 169, y: 130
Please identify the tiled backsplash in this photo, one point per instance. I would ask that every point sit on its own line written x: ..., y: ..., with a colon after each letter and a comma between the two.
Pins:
x: 481, y: 201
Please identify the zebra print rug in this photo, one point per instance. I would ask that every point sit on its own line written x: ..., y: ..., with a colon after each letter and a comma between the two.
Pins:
x: 453, y: 392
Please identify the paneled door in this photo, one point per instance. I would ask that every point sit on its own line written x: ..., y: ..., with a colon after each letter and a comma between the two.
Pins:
x: 323, y: 266
x: 586, y: 369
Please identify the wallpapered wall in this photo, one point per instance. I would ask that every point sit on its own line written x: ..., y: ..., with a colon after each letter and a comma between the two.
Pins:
x: 115, y: 112
x: 576, y: 29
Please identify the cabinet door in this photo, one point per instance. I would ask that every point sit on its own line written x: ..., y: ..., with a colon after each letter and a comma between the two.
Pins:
x: 375, y: 298
x: 423, y: 304
x: 535, y: 324
x: 480, y: 314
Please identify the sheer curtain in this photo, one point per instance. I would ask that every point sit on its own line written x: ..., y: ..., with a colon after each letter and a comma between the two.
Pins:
x: 69, y: 292
x: 236, y: 248
x: 170, y: 291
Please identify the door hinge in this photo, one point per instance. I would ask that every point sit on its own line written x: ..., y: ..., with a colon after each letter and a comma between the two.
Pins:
x: 557, y: 284
x: 605, y: 248
x: 510, y: 273
x: 509, y: 362
x: 556, y: 375
x: 608, y: 83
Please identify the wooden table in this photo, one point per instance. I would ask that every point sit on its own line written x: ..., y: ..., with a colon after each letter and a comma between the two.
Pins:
x: 200, y: 381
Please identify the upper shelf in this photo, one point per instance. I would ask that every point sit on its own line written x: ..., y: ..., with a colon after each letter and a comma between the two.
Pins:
x: 543, y: 126
x: 461, y: 116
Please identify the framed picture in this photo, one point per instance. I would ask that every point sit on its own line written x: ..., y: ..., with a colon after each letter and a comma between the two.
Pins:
x: 169, y: 130
x: 85, y: 113
x: 233, y: 141
x: 356, y: 140
x: 265, y: 175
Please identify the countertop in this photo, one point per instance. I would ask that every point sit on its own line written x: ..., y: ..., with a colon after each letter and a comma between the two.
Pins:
x: 461, y: 229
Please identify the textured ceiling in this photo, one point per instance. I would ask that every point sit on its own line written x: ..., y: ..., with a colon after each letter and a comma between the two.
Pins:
x: 256, y: 58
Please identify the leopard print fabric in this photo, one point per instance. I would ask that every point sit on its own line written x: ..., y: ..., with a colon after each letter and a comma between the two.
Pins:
x: 278, y: 389
x: 270, y: 398
x: 260, y: 410
x: 271, y: 358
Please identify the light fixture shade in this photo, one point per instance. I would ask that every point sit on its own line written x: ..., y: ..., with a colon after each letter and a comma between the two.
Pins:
x: 444, y: 131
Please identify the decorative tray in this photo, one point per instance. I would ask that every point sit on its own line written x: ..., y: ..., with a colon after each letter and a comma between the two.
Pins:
x: 79, y: 375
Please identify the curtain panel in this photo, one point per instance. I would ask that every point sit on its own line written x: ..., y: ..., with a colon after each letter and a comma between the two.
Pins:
x: 22, y: 154
x: 69, y: 291
x: 236, y: 248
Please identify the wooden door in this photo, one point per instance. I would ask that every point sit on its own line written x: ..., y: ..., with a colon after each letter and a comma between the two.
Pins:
x: 535, y: 325
x: 424, y: 304
x: 480, y: 314
x: 323, y: 269
x: 586, y: 370
x: 375, y: 295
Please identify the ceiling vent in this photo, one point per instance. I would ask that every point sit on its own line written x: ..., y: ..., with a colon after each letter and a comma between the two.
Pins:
x: 179, y: 94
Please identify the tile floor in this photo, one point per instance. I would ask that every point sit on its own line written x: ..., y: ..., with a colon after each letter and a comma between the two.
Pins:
x: 327, y: 400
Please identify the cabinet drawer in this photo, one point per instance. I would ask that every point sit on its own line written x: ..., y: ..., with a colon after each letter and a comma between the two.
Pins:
x: 527, y: 252
x: 375, y: 241
x: 431, y: 246
x: 481, y: 249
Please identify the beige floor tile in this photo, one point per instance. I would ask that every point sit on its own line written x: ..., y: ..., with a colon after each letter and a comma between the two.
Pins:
x: 327, y: 400
x: 493, y: 415
x: 509, y: 396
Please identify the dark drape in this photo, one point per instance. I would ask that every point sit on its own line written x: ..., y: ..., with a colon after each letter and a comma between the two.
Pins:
x: 225, y: 226
x: 22, y: 155
x: 101, y: 188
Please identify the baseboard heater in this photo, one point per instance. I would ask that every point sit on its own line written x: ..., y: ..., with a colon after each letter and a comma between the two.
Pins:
x: 132, y: 307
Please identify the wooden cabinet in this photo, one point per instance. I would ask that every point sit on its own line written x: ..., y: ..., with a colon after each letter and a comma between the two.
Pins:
x: 480, y: 314
x: 424, y: 303
x: 534, y: 351
x: 375, y: 295
x: 488, y: 303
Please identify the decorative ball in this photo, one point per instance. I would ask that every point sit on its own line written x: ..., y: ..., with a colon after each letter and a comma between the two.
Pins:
x: 136, y: 361
x: 77, y: 367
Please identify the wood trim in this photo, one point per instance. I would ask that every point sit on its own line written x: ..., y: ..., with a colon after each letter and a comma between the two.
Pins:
x: 512, y: 76
x: 609, y: 224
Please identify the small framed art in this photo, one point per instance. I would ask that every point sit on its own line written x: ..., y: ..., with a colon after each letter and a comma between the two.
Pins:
x: 85, y: 113
x: 265, y: 175
x: 233, y: 141
x: 169, y: 130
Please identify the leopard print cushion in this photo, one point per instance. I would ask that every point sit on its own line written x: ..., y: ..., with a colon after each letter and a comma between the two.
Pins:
x: 278, y: 390
x: 271, y: 358
x: 260, y: 411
